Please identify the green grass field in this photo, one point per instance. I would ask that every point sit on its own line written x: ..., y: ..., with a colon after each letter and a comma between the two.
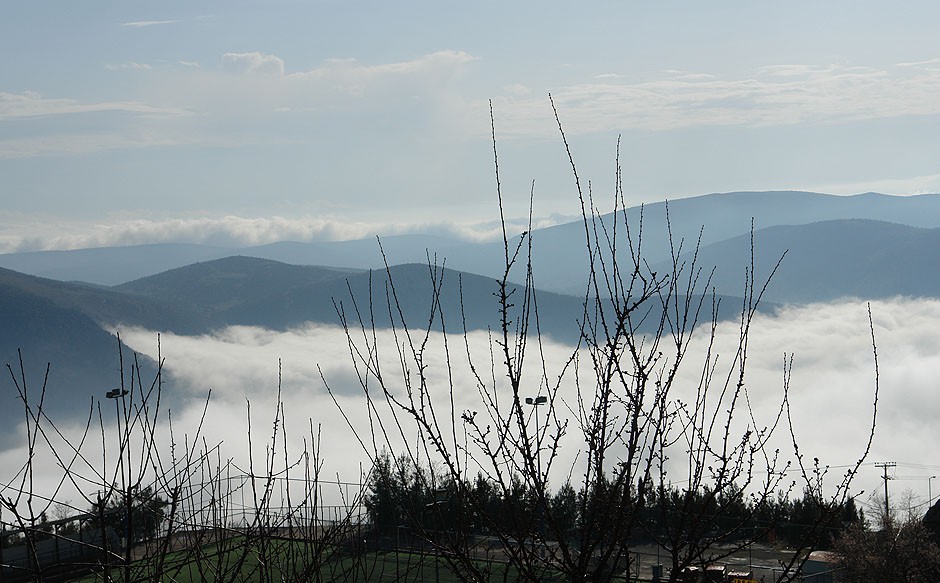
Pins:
x: 282, y: 560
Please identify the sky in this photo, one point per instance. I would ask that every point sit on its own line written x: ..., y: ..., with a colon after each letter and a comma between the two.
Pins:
x: 313, y: 120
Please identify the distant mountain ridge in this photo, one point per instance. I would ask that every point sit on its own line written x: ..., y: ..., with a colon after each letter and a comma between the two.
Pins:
x: 69, y: 323
x: 261, y: 292
x: 214, y: 288
x: 109, y: 265
x: 61, y: 324
x: 560, y: 256
x: 830, y: 260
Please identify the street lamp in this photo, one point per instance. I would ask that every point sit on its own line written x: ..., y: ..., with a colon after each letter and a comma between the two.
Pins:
x: 929, y: 491
x: 535, y: 402
x: 127, y: 522
x: 114, y: 395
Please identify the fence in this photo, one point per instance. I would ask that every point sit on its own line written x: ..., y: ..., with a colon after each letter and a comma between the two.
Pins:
x: 285, y: 525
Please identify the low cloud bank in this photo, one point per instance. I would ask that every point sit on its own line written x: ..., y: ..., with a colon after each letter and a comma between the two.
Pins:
x: 831, y: 387
x: 23, y: 233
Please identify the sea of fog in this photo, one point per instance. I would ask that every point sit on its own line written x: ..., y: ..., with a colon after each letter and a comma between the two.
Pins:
x: 831, y: 386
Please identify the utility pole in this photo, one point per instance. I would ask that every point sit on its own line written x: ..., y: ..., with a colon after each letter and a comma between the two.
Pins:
x: 885, y: 466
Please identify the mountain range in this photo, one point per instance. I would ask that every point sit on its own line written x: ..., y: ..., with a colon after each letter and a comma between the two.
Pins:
x: 830, y: 260
x: 71, y: 326
x: 560, y: 255
x: 65, y: 306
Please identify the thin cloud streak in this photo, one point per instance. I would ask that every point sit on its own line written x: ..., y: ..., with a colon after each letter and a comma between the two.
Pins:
x: 775, y: 95
x: 24, y: 233
x: 131, y: 65
x: 33, y: 105
x: 247, y: 88
x: 147, y: 23
x: 232, y: 104
x: 78, y: 144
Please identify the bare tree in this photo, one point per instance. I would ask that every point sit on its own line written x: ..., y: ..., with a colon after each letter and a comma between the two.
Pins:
x: 155, y: 504
x: 898, y: 551
x: 686, y: 464
x: 644, y: 430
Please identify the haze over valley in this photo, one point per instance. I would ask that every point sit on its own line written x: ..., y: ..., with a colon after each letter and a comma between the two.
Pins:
x: 225, y: 321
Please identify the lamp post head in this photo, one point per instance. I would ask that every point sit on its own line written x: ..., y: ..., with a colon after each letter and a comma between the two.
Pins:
x: 536, y: 400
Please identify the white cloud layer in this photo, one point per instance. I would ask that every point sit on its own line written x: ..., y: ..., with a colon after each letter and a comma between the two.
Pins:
x: 234, y: 102
x: 35, y: 233
x: 253, y: 62
x: 831, y: 388
x: 777, y: 95
x: 232, y: 105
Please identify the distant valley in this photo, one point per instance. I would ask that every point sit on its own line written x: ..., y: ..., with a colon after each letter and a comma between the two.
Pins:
x: 61, y: 306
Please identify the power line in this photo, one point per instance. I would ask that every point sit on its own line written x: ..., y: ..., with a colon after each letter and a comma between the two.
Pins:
x: 885, y: 466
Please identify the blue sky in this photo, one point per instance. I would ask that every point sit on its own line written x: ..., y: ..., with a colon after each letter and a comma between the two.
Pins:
x: 247, y: 122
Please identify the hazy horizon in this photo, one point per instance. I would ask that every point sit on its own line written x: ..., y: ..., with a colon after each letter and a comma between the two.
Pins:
x: 125, y: 123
